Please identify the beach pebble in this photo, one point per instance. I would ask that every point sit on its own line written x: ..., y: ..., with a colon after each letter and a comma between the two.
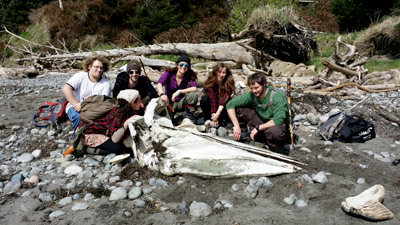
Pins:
x: 79, y: 206
x: 147, y: 190
x: 227, y: 203
x: 362, y: 166
x: 368, y: 152
x: 361, y: 180
x: 264, y: 182
x: 73, y: 170
x: 139, y: 203
x: 88, y: 197
x: 199, y: 209
x: 30, y: 205
x: 290, y: 199
x: 26, y: 193
x: 307, y: 178
x: 34, y: 131
x: 12, y: 138
x: 118, y: 194
x: 222, y: 132
x: 135, y: 193
x: 320, y: 177
x: 251, y: 191
x: 26, y: 157
x: 45, y: 197
x: 304, y: 149
x: 301, y: 203
x: 18, y: 177
x: 33, y: 179
x: 235, y: 187
x: 312, y: 119
x: 12, y: 187
x: 65, y: 201
x: 385, y: 154
x: 56, y: 214
x: 36, y: 153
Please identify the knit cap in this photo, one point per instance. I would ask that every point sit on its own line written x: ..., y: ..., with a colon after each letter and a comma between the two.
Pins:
x: 183, y: 58
x: 133, y: 65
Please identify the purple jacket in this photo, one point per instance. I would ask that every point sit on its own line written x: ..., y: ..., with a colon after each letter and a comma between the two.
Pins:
x: 171, y: 86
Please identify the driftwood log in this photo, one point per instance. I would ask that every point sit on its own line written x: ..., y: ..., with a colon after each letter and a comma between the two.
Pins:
x: 348, y: 63
x: 226, y: 51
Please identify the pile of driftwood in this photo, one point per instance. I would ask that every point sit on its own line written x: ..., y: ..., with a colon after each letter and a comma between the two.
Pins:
x: 343, y: 69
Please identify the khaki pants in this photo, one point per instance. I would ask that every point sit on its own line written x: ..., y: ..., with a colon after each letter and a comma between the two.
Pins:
x: 190, y: 99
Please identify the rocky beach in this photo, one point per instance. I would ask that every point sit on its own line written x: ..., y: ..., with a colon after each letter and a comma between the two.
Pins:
x: 39, y: 186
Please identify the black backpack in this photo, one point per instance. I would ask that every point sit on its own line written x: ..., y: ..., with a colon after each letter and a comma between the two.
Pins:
x: 347, y: 128
x: 356, y: 130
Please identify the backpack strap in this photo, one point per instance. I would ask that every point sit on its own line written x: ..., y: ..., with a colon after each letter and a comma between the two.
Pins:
x: 264, y: 106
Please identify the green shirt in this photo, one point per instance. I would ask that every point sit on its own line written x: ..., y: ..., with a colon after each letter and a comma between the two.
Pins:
x: 279, y: 112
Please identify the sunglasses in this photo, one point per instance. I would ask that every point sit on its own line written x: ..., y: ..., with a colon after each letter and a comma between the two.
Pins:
x: 133, y: 72
x: 184, y: 65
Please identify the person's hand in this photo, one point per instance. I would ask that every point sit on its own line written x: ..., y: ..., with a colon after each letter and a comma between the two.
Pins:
x: 253, y: 133
x: 164, y: 98
x: 77, y: 107
x: 214, y: 116
x: 176, y: 94
x: 127, y: 121
x: 237, y: 132
x: 214, y: 123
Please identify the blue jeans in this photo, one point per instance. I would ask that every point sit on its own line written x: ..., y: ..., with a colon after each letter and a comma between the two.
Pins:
x: 73, y: 115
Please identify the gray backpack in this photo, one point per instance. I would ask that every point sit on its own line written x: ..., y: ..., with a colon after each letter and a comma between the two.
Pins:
x: 330, y: 129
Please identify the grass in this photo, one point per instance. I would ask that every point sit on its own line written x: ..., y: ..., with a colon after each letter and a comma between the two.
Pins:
x: 378, y: 65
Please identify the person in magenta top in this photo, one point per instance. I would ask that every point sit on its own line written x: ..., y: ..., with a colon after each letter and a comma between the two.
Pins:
x: 178, y: 87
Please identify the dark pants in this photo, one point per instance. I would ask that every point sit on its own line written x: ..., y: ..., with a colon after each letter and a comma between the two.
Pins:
x: 206, y: 108
x: 109, y: 147
x: 275, y: 136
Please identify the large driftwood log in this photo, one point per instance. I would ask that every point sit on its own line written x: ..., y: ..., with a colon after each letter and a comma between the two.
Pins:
x: 226, y: 51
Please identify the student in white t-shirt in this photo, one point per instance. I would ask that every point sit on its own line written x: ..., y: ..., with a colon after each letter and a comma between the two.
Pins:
x: 85, y: 84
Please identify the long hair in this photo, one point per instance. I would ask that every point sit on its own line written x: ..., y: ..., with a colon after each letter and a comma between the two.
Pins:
x: 226, y: 86
x: 189, y: 73
x: 124, y: 109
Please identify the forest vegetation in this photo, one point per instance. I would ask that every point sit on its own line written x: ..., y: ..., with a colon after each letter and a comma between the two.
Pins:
x: 87, y: 25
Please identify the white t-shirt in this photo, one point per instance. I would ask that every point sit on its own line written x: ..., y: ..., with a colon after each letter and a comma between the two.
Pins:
x: 84, y: 87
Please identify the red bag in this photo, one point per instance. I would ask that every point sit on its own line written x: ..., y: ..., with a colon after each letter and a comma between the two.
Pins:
x: 50, y: 111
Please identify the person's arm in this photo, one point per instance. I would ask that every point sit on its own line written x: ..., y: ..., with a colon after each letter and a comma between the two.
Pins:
x: 117, y: 135
x: 68, y: 92
x: 106, y: 89
x: 161, y: 92
x: 120, y: 83
x: 236, y: 127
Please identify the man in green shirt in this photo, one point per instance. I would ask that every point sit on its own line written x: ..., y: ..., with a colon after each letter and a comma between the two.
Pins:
x: 263, y: 108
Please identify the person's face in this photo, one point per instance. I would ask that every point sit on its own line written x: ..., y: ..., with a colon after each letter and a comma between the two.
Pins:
x: 134, y: 75
x: 136, y: 105
x: 257, y: 89
x: 96, y: 70
x: 183, y: 67
x: 221, y: 74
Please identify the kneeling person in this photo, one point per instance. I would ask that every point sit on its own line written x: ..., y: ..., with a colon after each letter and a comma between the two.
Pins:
x: 107, y: 133
x: 269, y: 115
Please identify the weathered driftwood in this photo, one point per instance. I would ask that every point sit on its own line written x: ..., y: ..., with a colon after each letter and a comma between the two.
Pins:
x: 348, y: 63
x: 356, y: 85
x: 226, y: 51
x: 332, y: 66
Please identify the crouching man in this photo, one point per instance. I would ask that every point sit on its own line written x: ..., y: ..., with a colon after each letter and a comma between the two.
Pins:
x: 263, y: 108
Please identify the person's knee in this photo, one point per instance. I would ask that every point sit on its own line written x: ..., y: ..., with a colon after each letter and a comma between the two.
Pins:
x: 192, y: 98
